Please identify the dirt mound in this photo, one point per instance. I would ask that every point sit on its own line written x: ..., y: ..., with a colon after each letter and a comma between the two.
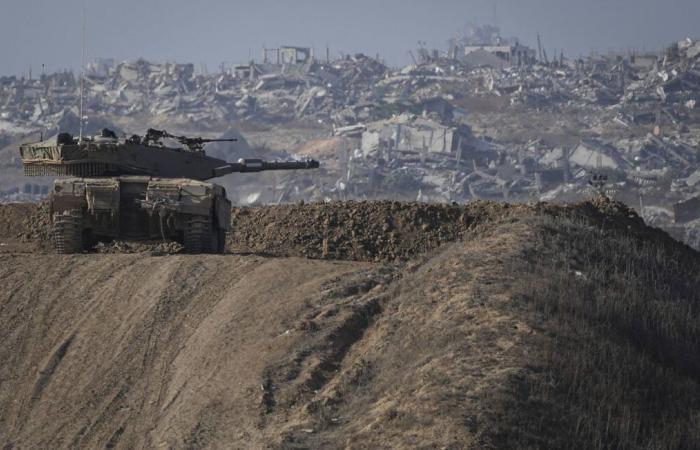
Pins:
x: 357, y: 231
x: 539, y: 327
x: 619, y: 366
x: 468, y: 343
x: 361, y: 231
x: 25, y: 223
x: 390, y: 231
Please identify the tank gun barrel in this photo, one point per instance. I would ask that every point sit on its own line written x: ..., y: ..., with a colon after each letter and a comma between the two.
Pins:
x: 259, y: 165
x: 206, y: 141
x: 199, y: 141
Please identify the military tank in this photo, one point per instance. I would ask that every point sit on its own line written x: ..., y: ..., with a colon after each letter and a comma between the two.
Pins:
x: 138, y: 188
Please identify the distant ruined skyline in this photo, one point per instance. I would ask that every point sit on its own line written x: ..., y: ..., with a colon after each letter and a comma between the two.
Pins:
x: 210, y: 32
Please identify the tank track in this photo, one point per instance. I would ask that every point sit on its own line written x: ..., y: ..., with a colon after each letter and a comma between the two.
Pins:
x: 196, y: 235
x: 200, y: 236
x: 68, y: 232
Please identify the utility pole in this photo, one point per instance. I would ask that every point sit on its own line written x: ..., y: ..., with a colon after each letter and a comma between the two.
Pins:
x: 82, y: 77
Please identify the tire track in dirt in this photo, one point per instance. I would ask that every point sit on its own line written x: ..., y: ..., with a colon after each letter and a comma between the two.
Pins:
x: 137, y: 351
x: 430, y: 369
x: 246, y: 351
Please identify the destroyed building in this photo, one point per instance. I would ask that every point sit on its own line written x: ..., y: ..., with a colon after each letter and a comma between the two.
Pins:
x: 288, y: 55
x: 416, y: 135
x: 509, y: 55
x: 486, y: 118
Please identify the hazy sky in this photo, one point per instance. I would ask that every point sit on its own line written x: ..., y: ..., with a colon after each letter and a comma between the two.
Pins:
x: 208, y: 32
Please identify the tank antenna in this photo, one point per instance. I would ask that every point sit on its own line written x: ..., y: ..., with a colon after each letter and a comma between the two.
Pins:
x: 82, y: 76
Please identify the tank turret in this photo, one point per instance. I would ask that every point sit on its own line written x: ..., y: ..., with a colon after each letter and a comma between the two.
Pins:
x: 138, y: 188
x: 106, y: 155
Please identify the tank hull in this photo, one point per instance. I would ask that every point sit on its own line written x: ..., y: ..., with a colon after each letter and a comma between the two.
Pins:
x: 87, y: 210
x: 138, y: 188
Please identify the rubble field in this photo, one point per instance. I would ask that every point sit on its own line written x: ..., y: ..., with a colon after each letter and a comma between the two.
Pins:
x: 485, y: 119
x: 492, y: 339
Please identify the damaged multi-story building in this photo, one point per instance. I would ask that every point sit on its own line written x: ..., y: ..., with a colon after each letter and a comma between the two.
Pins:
x: 487, y: 118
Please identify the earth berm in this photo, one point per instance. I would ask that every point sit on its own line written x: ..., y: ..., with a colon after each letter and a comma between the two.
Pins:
x: 357, y: 325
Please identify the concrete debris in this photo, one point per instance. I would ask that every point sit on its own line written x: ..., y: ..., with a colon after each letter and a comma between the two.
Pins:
x: 360, y: 89
x: 296, y: 87
x: 486, y: 118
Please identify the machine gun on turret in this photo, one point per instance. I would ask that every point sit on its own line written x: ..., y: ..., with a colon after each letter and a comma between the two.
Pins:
x: 196, y: 144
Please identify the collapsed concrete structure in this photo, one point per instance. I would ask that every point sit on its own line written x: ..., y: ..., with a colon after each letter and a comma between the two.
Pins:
x: 407, y: 133
x: 509, y: 55
x: 488, y: 118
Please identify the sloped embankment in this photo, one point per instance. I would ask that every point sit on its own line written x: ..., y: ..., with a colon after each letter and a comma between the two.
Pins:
x: 541, y: 327
x: 569, y: 327
x: 133, y: 351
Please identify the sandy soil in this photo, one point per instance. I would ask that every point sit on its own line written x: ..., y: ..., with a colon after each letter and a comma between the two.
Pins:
x: 423, y: 346
x: 101, y: 350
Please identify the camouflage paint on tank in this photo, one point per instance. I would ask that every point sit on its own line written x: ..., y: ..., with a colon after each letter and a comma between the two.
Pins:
x: 138, y: 188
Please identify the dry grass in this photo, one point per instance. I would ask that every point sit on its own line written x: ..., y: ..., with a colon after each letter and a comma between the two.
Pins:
x: 531, y: 326
x: 622, y: 362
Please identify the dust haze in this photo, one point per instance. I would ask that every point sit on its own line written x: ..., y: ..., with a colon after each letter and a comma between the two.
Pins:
x: 215, y: 31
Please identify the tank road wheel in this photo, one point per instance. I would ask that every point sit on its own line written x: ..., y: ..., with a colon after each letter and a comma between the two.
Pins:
x: 197, y: 235
x: 68, y: 231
